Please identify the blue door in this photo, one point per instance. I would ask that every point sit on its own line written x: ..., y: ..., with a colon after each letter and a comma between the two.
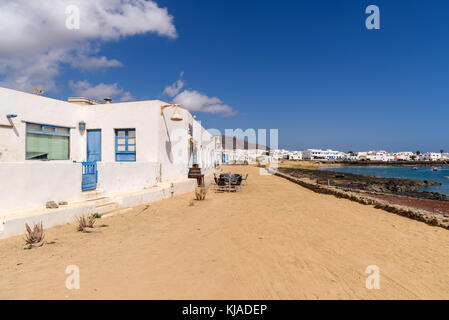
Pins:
x: 93, y: 145
x: 90, y: 175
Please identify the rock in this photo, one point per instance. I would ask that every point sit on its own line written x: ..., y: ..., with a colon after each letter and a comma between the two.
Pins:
x: 363, y: 183
x: 91, y: 230
x: 37, y: 245
x: 63, y: 203
x: 52, y: 205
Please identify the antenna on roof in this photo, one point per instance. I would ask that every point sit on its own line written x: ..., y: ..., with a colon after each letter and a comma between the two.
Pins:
x: 38, y: 91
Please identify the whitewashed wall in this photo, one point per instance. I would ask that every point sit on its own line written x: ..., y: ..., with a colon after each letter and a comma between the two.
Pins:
x: 29, y: 186
x: 162, y: 149
x: 173, y: 152
x: 122, y: 177
x: 143, y: 116
x: 33, y: 108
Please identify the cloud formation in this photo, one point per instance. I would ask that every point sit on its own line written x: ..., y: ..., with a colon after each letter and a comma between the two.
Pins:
x: 100, y: 91
x: 196, y: 101
x: 174, y: 89
x: 35, y: 41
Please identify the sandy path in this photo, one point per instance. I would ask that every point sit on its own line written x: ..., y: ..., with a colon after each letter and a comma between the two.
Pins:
x: 273, y: 240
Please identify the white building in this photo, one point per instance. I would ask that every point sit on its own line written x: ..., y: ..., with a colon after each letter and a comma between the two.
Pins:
x: 125, y: 147
x: 431, y: 156
x: 378, y: 156
x: 295, y: 155
x: 238, y: 151
x: 318, y: 154
x: 403, y: 156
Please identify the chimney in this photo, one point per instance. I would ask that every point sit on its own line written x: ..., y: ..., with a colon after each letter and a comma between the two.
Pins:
x: 107, y: 100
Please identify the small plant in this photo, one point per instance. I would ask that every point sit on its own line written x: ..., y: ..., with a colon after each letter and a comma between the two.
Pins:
x: 96, y: 216
x: 36, y: 236
x: 84, y: 222
x: 200, y: 193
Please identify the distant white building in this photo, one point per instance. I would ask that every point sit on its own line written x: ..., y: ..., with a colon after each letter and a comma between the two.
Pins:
x: 379, y: 156
x: 279, y: 154
x: 238, y: 151
x: 318, y: 154
x: 403, y: 156
x: 431, y: 156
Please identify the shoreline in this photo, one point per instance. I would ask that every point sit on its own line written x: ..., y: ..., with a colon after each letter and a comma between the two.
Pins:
x: 304, y: 164
x: 431, y: 212
x: 397, y: 191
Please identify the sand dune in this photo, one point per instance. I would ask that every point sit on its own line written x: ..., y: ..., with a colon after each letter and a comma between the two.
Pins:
x: 273, y: 240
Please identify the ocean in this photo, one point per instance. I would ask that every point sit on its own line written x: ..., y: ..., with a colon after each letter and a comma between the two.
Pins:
x: 423, y: 173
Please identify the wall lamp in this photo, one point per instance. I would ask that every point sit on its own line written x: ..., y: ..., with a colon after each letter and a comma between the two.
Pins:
x: 82, y: 125
x: 176, y: 115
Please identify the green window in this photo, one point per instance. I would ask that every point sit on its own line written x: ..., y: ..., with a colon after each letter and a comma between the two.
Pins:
x: 44, y: 142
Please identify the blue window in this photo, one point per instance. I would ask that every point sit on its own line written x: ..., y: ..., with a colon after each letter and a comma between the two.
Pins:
x: 125, y: 145
x: 47, y: 142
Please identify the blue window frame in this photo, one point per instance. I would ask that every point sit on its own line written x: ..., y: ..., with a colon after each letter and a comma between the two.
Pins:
x: 47, y: 142
x: 125, y: 145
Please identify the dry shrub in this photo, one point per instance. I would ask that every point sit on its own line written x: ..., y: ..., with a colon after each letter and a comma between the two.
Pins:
x: 200, y: 193
x: 34, y: 236
x: 84, y: 222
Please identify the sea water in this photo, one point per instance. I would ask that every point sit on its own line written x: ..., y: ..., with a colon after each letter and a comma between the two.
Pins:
x: 423, y: 173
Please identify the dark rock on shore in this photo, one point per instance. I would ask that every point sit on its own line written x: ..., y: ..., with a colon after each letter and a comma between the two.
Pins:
x: 442, y: 163
x: 356, y: 182
x: 431, y: 218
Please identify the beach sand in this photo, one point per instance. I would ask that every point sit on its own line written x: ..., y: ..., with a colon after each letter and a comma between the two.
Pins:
x: 272, y: 240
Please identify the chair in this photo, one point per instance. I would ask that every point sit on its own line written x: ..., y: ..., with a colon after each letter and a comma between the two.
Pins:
x: 221, y: 185
x: 245, y: 179
x: 236, y: 183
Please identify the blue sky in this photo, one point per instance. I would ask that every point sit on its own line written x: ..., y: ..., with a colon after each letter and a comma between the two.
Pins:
x: 308, y: 68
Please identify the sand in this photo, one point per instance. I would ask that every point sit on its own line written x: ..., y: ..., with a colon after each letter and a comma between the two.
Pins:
x: 273, y: 240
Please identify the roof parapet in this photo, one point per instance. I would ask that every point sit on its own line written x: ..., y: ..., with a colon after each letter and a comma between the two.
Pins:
x: 82, y: 101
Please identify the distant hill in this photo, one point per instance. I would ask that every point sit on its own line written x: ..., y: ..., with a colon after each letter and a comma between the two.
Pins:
x: 233, y: 143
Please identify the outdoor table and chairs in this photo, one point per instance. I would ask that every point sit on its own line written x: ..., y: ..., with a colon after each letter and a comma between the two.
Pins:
x: 228, y: 182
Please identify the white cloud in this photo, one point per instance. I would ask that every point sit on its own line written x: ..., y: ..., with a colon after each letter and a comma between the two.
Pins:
x: 127, y: 96
x: 84, y: 62
x: 34, y: 39
x: 100, y: 91
x: 174, y: 89
x: 196, y: 101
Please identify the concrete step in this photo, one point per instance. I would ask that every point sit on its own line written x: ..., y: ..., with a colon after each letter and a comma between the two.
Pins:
x: 107, y: 208
x: 93, y: 194
x: 116, y: 212
x: 101, y: 201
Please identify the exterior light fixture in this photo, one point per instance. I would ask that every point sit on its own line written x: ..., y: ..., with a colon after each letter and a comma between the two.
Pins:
x: 82, y: 125
x: 176, y: 115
